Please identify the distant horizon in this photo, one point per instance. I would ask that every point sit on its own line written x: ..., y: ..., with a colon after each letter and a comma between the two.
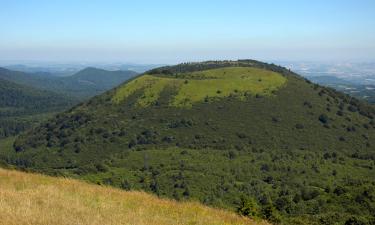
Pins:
x: 170, y: 32
x: 47, y: 63
x: 157, y: 61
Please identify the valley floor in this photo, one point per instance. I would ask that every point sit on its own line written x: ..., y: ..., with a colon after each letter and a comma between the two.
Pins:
x: 37, y: 199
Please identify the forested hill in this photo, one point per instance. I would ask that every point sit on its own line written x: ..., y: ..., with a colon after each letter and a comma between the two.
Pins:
x: 84, y: 84
x: 28, y: 98
x: 92, y: 81
x: 19, y: 104
x: 243, y: 135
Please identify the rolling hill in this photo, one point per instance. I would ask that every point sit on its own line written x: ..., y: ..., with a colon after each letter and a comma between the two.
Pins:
x: 232, y: 134
x: 20, y: 106
x: 35, y: 200
x: 84, y: 84
x: 92, y: 81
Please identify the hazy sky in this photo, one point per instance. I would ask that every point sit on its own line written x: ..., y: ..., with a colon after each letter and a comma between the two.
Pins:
x: 174, y: 31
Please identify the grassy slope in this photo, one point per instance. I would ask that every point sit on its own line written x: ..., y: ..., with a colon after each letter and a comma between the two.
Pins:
x: 196, y: 86
x: 40, y: 200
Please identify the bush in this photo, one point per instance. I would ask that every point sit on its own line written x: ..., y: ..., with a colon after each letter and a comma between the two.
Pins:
x: 125, y: 185
x: 282, y: 203
x: 271, y: 214
x: 101, y: 167
x: 186, y: 192
x: 329, y: 219
x: 299, y: 126
x: 340, y: 113
x: 355, y: 221
x: 86, y: 169
x: 248, y: 207
x: 323, y: 118
x: 352, y: 108
x: 132, y: 143
x: 232, y: 154
x: 265, y: 168
x: 339, y: 191
x: 309, y: 194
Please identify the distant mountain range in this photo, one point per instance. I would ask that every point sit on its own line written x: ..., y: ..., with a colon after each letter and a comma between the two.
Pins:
x: 83, y: 84
x: 28, y: 98
x: 69, y: 69
x: 22, y: 106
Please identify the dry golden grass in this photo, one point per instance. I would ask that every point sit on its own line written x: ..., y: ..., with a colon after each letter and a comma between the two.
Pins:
x: 36, y: 199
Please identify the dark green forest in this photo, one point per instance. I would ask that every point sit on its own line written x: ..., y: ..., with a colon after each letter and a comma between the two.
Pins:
x: 82, y: 85
x: 26, y: 99
x: 303, y: 155
x: 21, y: 107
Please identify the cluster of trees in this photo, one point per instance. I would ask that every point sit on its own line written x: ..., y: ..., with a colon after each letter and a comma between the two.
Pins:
x: 291, y: 187
x: 12, y: 126
x: 192, y: 67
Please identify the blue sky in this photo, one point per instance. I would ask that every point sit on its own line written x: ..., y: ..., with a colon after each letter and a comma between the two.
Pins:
x: 174, y: 31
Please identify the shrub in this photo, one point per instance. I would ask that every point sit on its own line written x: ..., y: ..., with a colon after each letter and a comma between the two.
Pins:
x: 125, y: 185
x: 339, y: 191
x: 299, y: 126
x: 297, y: 198
x: 354, y: 221
x: 101, y: 167
x: 323, y: 118
x: 282, y: 203
x: 248, y: 207
x: 132, y: 143
x: 265, y: 168
x: 309, y: 194
x: 186, y: 192
x: 18, y: 148
x: 271, y: 214
x: 352, y: 108
x: 307, y: 104
x: 232, y: 154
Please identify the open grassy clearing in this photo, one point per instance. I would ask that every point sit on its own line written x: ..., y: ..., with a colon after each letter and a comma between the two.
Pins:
x: 199, y: 86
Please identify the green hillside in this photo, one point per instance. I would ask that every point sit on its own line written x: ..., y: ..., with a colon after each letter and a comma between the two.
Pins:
x: 27, y: 99
x: 84, y: 84
x: 240, y: 135
x: 92, y: 81
x: 195, y: 87
x: 22, y: 106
